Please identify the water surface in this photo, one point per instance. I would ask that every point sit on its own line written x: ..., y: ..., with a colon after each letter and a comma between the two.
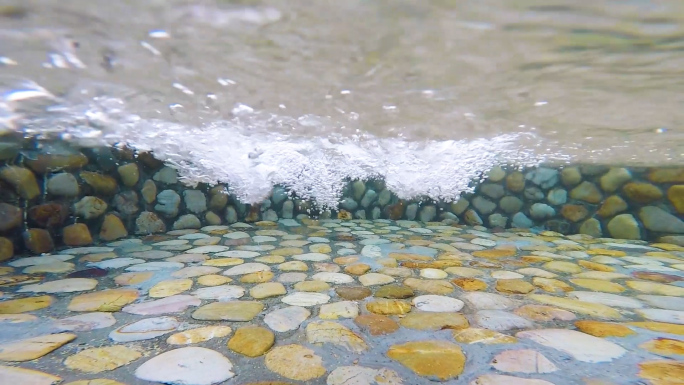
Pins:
x: 307, y: 94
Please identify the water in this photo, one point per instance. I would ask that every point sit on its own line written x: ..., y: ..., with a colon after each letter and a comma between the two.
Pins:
x: 309, y: 94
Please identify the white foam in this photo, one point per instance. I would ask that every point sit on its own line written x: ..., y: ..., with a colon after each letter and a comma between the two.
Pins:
x: 255, y: 151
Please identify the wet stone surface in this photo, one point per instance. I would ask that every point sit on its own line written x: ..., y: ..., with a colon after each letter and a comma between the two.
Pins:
x: 393, y: 303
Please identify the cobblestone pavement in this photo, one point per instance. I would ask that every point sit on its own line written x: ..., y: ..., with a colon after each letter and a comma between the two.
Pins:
x: 346, y: 302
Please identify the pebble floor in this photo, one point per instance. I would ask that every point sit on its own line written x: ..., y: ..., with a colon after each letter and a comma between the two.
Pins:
x: 346, y: 302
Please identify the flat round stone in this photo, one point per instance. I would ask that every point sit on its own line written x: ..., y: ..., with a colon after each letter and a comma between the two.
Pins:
x: 293, y: 266
x: 236, y: 235
x: 54, y: 267
x: 229, y: 311
x: 270, y: 259
x: 189, y: 234
x: 663, y: 301
x: 188, y: 258
x: 131, y: 248
x: 376, y: 324
x: 32, y: 348
x: 91, y: 272
x: 312, y: 286
x: 523, y: 361
x: 132, y: 279
x: 500, y: 320
x: 246, y: 268
x: 353, y: 293
x: 17, y: 318
x: 320, y: 248
x: 513, y: 286
x: 335, y: 278
x: 356, y: 269
x: 13, y: 375
x: 106, y: 300
x: 171, y: 304
x: 437, y: 303
x: 434, y: 321
x: 96, y: 381
x: 208, y: 241
x: 544, y: 313
x: 592, y: 309
x: 342, y: 309
x: 267, y: 289
x: 351, y: 375
x: 311, y: 257
x: 287, y: 251
x: 603, y: 329
x: 470, y: 284
x: 251, y: 341
x: 69, y: 285
x: 295, y: 362
x: 97, y: 360
x: 198, y: 335
x: 467, y: 272
x: 257, y: 248
x: 482, y: 336
x: 598, y: 285
x: 85, y: 322
x: 388, y: 307
x: 195, y: 271
x: 172, y: 242
x: 431, y: 273
x: 321, y: 332
x: 144, y: 329
x: 431, y: 286
x: 394, y: 291
x: 42, y: 260
x: 286, y: 319
x: 263, y: 239
x: 373, y: 279
x: 294, y: 278
x: 155, y: 266
x: 580, y: 346
x: 499, y: 274
x: 656, y: 288
x: 212, y: 280
x: 24, y: 305
x: 535, y: 272
x: 259, y: 277
x: 306, y: 299
x: 223, y: 262
x: 190, y: 365
x: 662, y: 371
x: 208, y: 249
x: 242, y: 254
x: 169, y: 288
x: 662, y: 315
x: 88, y: 250
x: 440, y: 360
x: 563, y: 267
x: 116, y: 263
x: 151, y: 254
x: 491, y: 301
x: 325, y: 267
x: 606, y: 299
x: 294, y: 243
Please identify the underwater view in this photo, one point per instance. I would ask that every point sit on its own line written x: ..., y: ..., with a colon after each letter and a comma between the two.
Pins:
x: 271, y: 192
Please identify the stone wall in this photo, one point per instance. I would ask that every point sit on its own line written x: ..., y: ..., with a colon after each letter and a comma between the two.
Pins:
x: 56, y: 196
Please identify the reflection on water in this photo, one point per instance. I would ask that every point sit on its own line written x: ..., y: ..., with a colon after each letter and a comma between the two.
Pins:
x: 241, y: 91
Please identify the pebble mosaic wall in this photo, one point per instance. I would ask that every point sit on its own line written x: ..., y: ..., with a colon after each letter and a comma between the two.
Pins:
x: 68, y: 197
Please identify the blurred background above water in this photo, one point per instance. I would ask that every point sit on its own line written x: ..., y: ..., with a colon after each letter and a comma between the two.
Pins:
x: 307, y: 94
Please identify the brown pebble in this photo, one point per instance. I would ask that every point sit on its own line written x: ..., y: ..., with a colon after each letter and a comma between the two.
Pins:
x: 376, y: 324
x: 353, y: 293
